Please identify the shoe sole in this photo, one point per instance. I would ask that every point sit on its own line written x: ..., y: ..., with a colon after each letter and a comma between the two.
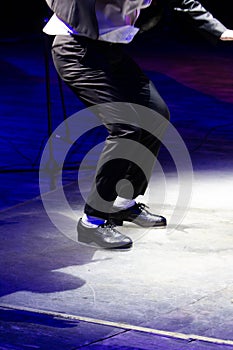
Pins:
x: 120, y: 223
x: 91, y: 243
x: 96, y: 246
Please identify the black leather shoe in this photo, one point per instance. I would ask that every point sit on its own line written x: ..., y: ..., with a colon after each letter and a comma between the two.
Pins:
x: 104, y: 236
x: 138, y: 215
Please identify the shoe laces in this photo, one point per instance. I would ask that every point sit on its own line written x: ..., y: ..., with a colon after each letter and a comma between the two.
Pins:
x: 142, y: 206
x: 109, y: 226
x: 109, y: 230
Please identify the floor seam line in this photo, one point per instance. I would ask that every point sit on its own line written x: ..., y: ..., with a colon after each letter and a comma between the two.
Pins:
x: 102, y: 339
x: 124, y: 326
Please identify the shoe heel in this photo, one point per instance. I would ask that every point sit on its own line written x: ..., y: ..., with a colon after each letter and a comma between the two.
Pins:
x: 116, y: 222
x: 84, y: 238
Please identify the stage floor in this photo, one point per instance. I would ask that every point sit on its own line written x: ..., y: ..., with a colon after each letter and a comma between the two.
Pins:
x: 174, y: 288
x: 176, y: 280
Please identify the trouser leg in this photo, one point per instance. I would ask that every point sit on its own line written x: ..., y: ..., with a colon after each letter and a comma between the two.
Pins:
x: 101, y: 73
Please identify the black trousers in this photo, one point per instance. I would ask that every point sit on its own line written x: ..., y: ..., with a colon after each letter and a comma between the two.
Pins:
x: 98, y: 73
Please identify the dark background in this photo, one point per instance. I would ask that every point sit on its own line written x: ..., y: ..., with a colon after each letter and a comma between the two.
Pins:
x: 27, y: 16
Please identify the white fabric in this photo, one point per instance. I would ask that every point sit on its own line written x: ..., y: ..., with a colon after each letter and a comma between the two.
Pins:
x: 121, y: 35
x: 91, y: 221
x: 115, y: 18
x: 56, y: 27
x: 123, y: 203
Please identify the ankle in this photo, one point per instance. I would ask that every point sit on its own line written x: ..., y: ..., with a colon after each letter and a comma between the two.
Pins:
x: 92, y: 221
x: 124, y: 203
